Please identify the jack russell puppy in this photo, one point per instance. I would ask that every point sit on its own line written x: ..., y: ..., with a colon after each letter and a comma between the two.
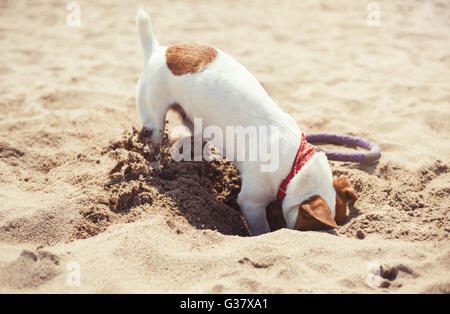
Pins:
x: 204, y: 82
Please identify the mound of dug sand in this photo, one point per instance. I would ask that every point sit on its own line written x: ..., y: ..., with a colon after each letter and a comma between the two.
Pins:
x: 200, y: 193
x: 203, y: 194
x: 397, y: 203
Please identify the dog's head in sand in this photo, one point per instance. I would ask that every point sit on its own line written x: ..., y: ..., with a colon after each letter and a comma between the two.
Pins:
x: 314, y: 214
x: 316, y: 201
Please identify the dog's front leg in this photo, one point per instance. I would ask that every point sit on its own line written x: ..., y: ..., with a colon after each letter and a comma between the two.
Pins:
x: 253, y: 200
x: 254, y: 211
x: 255, y: 215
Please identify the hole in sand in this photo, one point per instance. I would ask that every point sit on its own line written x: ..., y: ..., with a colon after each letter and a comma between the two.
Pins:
x: 202, y: 194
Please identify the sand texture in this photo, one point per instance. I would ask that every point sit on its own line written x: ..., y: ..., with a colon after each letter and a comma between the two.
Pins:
x: 76, y: 194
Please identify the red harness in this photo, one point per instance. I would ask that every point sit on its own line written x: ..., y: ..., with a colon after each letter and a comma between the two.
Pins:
x: 305, y: 152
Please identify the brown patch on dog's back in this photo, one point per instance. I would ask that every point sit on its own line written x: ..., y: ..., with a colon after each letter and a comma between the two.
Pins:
x: 185, y: 59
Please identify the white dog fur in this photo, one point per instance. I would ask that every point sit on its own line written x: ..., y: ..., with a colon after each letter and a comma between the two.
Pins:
x: 224, y: 94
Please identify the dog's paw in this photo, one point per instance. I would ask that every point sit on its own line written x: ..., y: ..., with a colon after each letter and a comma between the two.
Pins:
x: 156, y: 165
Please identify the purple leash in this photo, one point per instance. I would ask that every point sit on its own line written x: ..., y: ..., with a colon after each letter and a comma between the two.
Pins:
x: 373, y: 154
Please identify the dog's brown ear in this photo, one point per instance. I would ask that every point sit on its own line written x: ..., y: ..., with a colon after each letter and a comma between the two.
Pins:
x: 313, y: 214
x: 345, y: 194
x: 345, y: 190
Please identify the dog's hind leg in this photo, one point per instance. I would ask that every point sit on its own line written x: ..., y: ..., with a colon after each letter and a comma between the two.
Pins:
x: 152, y: 117
x: 186, y: 120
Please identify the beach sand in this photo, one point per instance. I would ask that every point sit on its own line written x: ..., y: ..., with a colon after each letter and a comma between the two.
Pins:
x: 78, y: 202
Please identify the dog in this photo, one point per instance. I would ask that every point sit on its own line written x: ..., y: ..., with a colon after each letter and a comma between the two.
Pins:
x: 205, y: 82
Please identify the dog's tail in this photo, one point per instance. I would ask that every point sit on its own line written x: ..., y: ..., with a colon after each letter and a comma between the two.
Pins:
x: 144, y: 26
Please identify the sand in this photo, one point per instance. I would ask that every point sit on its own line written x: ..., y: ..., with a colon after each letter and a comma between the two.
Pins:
x: 78, y: 202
